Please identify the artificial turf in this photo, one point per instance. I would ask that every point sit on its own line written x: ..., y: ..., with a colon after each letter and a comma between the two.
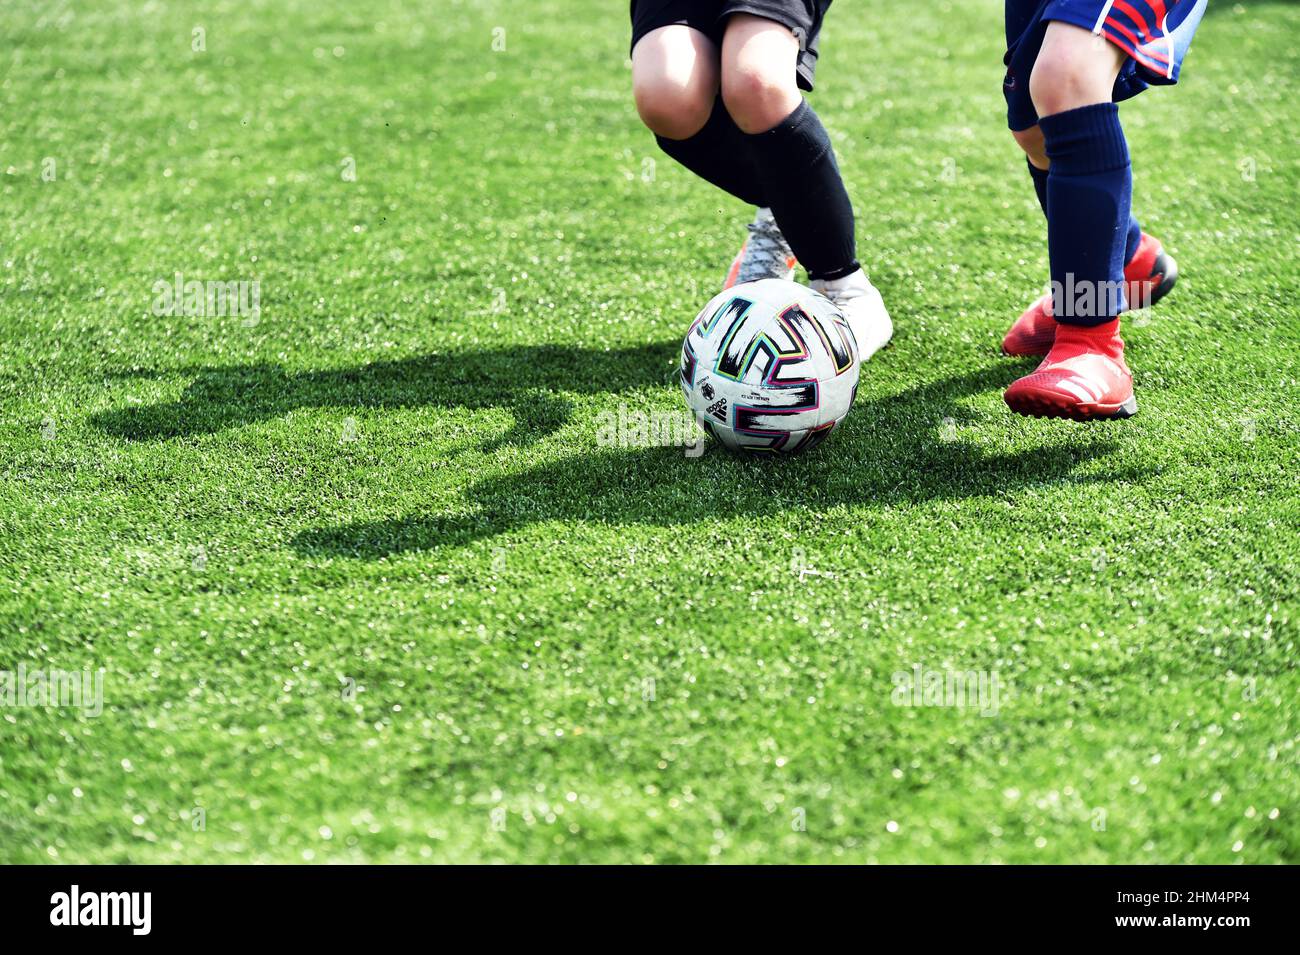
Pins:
x: 366, y: 586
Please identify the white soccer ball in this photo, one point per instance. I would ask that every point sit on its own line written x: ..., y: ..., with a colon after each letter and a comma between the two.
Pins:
x: 770, y: 366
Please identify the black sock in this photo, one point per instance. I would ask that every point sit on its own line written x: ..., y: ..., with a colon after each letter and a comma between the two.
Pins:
x: 801, y: 179
x: 720, y: 154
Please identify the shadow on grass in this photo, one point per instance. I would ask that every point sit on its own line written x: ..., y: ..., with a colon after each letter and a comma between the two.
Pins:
x: 523, y: 380
x: 891, y: 453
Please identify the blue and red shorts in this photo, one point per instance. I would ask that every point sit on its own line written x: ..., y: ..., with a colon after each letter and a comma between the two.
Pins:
x: 1155, y: 34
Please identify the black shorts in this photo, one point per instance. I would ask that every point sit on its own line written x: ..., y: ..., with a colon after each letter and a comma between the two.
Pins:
x: 803, y: 17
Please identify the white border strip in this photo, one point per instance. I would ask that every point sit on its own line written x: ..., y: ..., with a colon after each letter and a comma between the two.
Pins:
x: 1105, y: 12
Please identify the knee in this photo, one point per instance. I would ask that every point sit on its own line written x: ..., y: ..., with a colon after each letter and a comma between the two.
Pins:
x: 1031, y: 141
x: 673, y: 110
x: 1068, y: 78
x: 758, y: 99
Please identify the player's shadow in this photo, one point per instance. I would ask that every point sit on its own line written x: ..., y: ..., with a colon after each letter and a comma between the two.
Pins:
x: 900, y: 449
x: 527, y: 381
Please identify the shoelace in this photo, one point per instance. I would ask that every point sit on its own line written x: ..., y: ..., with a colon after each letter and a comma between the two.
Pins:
x: 766, y: 255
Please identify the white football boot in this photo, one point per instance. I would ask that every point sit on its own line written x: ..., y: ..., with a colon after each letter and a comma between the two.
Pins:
x: 865, y: 310
x: 765, y: 254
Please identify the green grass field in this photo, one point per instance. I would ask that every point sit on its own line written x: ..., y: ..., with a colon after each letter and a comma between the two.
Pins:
x: 366, y: 587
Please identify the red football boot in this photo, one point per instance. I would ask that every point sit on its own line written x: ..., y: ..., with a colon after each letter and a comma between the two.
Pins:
x: 1033, y: 332
x: 1083, y: 378
x: 1150, y: 274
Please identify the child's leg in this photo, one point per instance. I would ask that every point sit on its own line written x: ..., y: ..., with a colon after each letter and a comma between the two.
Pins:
x: 1089, y: 190
x: 796, y: 164
x: 675, y: 83
x: 1031, y: 141
x: 1089, y: 183
x: 1080, y: 58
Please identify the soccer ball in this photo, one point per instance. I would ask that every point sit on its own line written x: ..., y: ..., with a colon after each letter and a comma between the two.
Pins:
x: 770, y: 366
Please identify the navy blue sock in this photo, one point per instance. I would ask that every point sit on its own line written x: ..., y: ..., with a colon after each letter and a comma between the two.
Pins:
x: 1040, y: 184
x: 1089, y: 200
x: 1133, y: 239
x: 720, y: 154
x: 1134, y: 229
x: 802, y: 182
